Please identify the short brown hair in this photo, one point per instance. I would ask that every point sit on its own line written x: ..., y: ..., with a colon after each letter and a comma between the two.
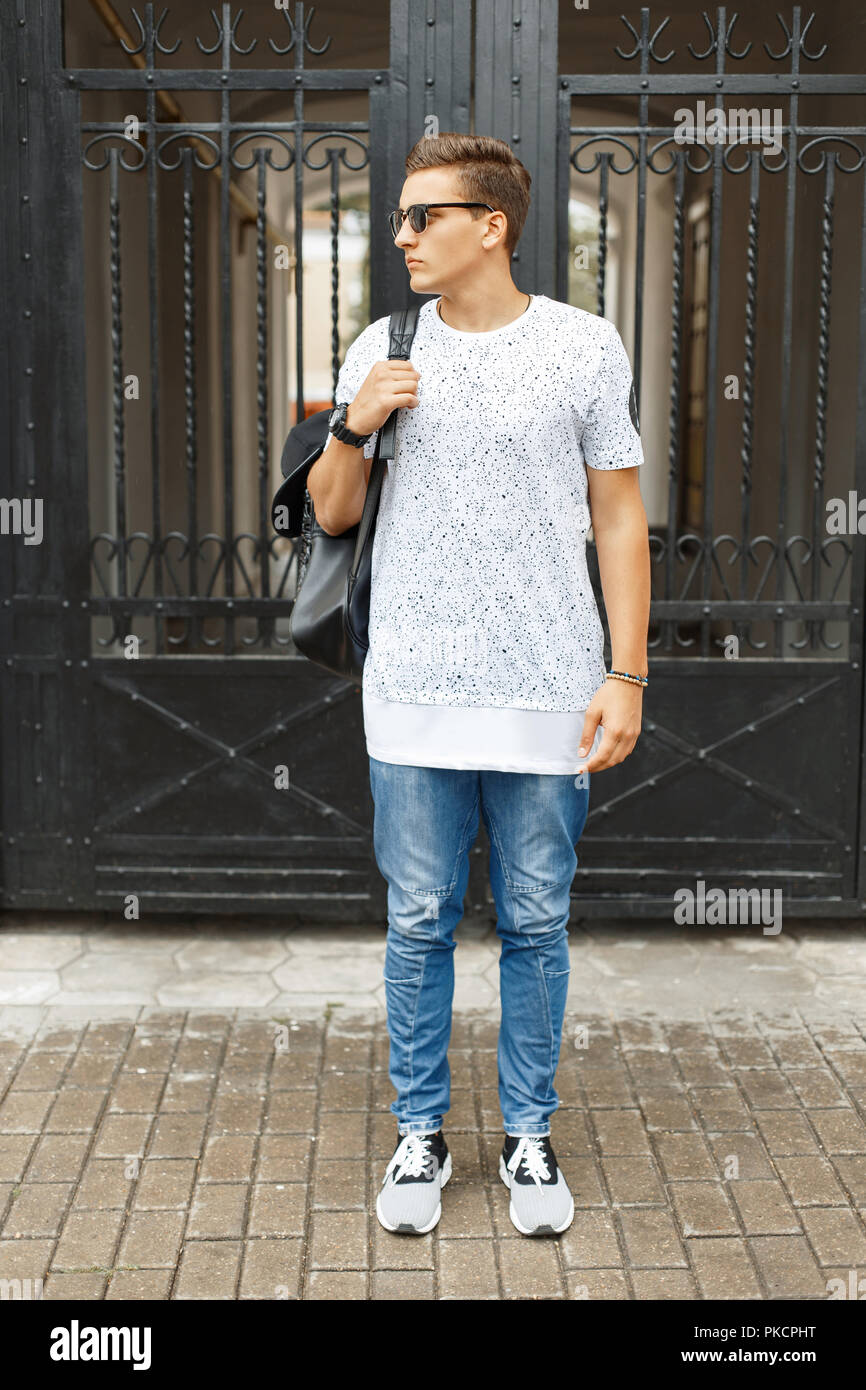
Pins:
x: 488, y: 171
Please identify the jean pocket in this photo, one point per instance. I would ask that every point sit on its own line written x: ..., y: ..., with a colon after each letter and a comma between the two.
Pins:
x: 557, y: 989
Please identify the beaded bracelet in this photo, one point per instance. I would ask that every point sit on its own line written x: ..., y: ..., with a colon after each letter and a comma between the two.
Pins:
x: 626, y: 676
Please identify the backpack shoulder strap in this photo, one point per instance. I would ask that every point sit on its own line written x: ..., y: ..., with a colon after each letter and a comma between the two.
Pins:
x: 401, y: 331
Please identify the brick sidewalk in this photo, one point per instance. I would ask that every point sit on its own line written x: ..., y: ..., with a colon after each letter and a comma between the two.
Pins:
x: 180, y: 1155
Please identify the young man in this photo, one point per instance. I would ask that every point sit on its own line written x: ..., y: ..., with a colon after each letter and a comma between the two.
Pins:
x: 484, y: 685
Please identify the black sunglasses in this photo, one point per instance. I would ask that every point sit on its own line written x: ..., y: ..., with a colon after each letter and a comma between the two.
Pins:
x: 417, y: 215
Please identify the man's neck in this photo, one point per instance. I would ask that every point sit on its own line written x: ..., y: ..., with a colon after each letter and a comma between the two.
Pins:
x: 479, y: 310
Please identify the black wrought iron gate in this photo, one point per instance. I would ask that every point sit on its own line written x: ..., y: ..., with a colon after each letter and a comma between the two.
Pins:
x: 160, y: 741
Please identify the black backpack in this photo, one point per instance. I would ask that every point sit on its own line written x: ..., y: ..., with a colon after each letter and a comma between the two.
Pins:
x: 331, y: 613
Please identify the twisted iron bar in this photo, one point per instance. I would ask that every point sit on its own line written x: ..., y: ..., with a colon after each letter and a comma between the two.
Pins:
x: 602, y: 235
x: 262, y: 372
x: 117, y: 350
x: 676, y: 364
x: 335, y: 273
x: 750, y: 333
x: 189, y: 362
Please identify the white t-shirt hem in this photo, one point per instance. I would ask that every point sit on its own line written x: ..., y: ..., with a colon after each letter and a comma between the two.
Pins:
x: 385, y: 755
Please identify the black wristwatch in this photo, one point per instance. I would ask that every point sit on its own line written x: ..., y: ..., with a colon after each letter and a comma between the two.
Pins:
x: 339, y: 429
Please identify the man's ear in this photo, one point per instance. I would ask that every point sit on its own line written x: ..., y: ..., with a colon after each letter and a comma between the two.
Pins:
x: 504, y: 224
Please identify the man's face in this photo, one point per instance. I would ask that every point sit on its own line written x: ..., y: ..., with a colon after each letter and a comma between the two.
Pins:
x: 449, y: 250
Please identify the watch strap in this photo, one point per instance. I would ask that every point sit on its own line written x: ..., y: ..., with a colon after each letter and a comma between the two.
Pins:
x: 342, y: 432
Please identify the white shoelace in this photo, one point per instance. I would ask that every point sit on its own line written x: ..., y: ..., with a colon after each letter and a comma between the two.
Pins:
x: 412, y: 1159
x: 531, y: 1154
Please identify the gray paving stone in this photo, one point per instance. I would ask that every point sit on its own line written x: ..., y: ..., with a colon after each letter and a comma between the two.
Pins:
x: 620, y: 1132
x: 338, y: 1240
x: 683, y: 1156
x: 740, y: 1156
x: 258, y: 954
x: 591, y: 1241
x: 76, y: 1110
x: 278, y: 1209
x: 40, y: 950
x: 530, y: 1268
x: 24, y: 1112
x: 88, y: 1238
x: 835, y: 1235
x: 227, y: 1158
x: 723, y: 1268
x: 764, y: 1208
x: 402, y: 1286
x: 40, y: 1071
x: 787, y: 1132
x: 95, y: 973
x: 134, y: 1285
x: 391, y: 1251
x: 208, y: 1269
x: 176, y: 1136
x: 28, y: 986
x: 14, y: 1153
x: 219, y: 988
x: 58, y: 1158
x: 659, y: 1284
x: 164, y: 1184
x: 271, y: 1269
x: 467, y: 1269
x: 840, y: 1131
x: 345, y: 975
x: 788, y: 1268
x: 852, y: 1175
x: 633, y: 1181
x: 105, y: 1183
x: 600, y: 1284
x: 811, y: 1182
x: 37, y: 1210
x: 651, y: 1237
x: 337, y: 1285
x: 151, y: 1239
x: 75, y: 1287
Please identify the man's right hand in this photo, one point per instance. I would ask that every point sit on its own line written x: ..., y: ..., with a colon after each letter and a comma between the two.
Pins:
x: 388, y: 386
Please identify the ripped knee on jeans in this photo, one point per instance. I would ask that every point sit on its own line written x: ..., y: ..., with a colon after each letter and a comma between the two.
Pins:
x: 410, y: 909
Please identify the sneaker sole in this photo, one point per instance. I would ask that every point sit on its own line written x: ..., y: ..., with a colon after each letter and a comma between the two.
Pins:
x: 539, y: 1230
x: 404, y: 1228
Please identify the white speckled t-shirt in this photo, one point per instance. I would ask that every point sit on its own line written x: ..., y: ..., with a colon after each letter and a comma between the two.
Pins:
x: 480, y: 593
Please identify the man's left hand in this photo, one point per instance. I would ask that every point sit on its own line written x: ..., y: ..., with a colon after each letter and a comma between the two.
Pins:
x: 617, y: 706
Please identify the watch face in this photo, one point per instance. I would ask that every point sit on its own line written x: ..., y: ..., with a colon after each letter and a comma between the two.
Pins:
x: 334, y: 418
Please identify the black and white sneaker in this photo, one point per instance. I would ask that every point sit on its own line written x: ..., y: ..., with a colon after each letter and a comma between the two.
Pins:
x: 541, y: 1201
x: 409, y: 1198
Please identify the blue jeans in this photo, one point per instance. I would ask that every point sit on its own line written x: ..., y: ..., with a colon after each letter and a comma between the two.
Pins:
x: 425, y: 823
